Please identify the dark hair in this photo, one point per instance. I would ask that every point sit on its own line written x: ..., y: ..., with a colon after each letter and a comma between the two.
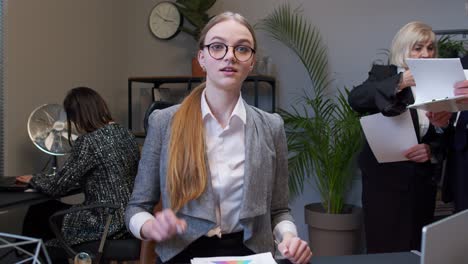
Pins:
x: 86, y: 109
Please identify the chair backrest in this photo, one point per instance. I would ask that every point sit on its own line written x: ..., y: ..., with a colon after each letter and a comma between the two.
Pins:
x: 153, y: 106
x: 114, y: 249
x: 102, y: 250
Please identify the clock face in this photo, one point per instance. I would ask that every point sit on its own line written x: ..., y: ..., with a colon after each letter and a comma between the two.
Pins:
x: 164, y: 20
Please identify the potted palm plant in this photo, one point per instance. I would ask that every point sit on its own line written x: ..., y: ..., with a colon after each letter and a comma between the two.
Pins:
x: 323, y: 135
x: 449, y: 48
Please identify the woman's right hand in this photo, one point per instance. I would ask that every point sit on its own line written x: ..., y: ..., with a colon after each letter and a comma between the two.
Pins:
x: 461, y: 88
x: 418, y: 153
x: 407, y: 80
x: 24, y: 178
x: 164, y: 226
x: 439, y: 119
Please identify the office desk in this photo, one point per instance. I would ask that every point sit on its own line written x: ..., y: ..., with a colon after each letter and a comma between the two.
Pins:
x: 9, y: 199
x: 386, y: 258
x: 15, y: 199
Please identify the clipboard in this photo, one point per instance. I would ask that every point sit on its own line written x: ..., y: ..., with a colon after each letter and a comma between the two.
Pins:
x: 439, y: 105
x: 435, y: 79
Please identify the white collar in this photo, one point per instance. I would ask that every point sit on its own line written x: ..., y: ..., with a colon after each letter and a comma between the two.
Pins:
x: 239, y: 109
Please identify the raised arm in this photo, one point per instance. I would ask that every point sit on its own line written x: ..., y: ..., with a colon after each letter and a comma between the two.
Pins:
x: 381, y: 93
x: 81, y: 160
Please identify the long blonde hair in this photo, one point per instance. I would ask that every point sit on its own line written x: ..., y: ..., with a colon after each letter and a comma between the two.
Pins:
x: 406, y: 38
x: 187, y: 174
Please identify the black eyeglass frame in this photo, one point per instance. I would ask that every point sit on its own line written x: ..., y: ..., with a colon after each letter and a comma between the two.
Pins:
x: 226, y: 48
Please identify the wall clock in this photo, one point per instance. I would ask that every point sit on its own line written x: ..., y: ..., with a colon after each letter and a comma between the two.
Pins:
x: 165, y: 20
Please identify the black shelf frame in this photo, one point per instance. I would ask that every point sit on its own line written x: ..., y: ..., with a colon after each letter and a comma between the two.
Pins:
x: 157, y: 81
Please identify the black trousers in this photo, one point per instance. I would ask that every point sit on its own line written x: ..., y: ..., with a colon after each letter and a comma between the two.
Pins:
x: 393, y: 219
x: 457, y: 171
x: 36, y: 221
x: 36, y: 224
x: 228, y: 245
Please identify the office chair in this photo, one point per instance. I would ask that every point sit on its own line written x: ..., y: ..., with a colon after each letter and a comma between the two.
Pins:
x: 102, y: 251
x: 153, y: 106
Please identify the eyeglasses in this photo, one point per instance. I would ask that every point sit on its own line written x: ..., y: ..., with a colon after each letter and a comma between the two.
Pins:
x: 219, y: 50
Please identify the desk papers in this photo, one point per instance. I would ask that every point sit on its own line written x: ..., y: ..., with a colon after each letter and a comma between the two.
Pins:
x: 435, y: 79
x: 263, y: 258
x: 389, y: 137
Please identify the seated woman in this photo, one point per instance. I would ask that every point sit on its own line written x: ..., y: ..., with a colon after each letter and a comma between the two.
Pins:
x: 103, y: 163
x: 217, y: 164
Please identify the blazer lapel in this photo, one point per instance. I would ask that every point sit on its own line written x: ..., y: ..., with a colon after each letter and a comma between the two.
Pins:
x: 414, y: 117
x: 205, y: 206
x: 254, y: 180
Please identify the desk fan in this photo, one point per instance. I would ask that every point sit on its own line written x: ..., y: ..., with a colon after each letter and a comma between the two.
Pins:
x: 47, y: 128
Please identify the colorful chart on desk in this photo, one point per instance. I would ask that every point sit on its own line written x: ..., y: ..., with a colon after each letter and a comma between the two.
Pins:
x: 261, y: 258
x: 232, y: 262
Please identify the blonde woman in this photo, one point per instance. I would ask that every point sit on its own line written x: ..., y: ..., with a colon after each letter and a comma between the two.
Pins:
x: 398, y: 198
x: 218, y: 165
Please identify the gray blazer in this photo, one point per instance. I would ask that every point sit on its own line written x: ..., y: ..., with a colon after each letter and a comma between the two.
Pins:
x: 265, y: 190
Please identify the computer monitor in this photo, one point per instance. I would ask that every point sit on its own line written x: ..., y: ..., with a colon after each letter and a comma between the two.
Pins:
x: 446, y: 241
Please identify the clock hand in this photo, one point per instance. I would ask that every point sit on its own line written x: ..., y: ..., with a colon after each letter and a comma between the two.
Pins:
x: 166, y: 20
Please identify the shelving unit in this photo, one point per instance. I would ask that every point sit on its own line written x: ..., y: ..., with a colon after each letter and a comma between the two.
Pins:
x: 191, y: 82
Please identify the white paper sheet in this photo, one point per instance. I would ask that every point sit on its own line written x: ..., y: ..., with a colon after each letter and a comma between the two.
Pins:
x: 263, y: 258
x: 389, y: 137
x: 435, y: 79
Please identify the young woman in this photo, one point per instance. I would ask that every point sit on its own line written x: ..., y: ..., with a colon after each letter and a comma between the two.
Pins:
x: 218, y: 165
x: 103, y: 163
x: 398, y: 198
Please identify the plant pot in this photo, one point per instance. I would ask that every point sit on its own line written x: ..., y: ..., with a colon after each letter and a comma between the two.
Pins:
x: 333, y: 234
x: 197, y: 70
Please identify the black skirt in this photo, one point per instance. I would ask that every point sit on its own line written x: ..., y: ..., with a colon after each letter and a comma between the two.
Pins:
x: 228, y: 245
